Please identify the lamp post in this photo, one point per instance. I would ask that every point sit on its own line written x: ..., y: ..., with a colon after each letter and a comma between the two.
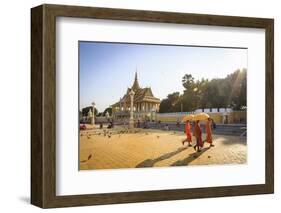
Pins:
x: 131, y: 121
x: 181, y: 106
x: 93, y: 116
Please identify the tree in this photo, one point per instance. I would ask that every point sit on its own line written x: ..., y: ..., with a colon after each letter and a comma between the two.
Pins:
x: 109, y: 110
x: 191, y: 93
x: 171, y: 103
x: 243, y: 90
x: 238, y: 92
x: 165, y: 106
x: 230, y: 91
x: 188, y: 81
x: 86, y: 110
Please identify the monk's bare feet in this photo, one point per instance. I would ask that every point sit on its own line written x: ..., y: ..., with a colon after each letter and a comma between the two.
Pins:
x: 194, y: 148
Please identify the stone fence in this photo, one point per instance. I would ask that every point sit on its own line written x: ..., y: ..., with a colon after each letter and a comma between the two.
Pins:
x: 219, y: 117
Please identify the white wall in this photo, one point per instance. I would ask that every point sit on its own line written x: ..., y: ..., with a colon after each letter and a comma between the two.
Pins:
x: 15, y: 100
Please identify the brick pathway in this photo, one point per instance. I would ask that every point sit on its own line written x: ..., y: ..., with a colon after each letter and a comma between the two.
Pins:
x: 154, y: 148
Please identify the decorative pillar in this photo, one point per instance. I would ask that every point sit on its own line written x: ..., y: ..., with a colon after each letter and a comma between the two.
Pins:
x: 120, y: 105
x: 131, y: 121
x: 93, y: 116
x: 145, y: 106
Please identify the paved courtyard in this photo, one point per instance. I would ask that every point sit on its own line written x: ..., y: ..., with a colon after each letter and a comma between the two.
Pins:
x: 121, y: 148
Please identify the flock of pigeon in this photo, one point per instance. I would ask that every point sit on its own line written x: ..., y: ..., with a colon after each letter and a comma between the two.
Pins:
x: 107, y: 133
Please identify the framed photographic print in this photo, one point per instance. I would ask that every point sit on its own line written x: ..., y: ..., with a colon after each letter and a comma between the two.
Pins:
x: 136, y: 106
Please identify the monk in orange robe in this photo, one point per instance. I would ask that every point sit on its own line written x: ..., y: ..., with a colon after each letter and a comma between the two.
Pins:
x: 209, y: 138
x: 198, y: 135
x: 188, y: 134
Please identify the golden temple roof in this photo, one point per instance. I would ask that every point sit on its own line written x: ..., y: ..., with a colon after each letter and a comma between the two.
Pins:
x: 141, y: 94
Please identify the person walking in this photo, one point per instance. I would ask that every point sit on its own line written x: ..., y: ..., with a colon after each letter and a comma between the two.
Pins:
x: 198, y: 135
x: 209, y: 138
x: 188, y: 133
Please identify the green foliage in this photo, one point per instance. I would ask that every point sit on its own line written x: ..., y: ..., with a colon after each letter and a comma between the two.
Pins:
x: 109, y: 110
x: 86, y: 110
x: 171, y: 104
x: 230, y: 91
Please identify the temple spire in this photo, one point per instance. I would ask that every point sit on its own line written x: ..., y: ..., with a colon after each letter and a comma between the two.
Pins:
x: 136, y: 75
x: 136, y: 85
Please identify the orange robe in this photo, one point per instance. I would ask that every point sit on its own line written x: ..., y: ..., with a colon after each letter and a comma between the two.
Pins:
x: 209, y: 138
x: 187, y: 132
x: 198, y: 135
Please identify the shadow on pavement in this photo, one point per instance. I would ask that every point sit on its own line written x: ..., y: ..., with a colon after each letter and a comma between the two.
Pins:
x: 190, y: 158
x: 151, y: 162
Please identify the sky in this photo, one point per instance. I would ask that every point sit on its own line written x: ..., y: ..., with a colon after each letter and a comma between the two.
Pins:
x: 106, y: 70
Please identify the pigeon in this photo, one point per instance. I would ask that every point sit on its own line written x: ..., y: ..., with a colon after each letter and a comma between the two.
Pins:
x: 90, y: 156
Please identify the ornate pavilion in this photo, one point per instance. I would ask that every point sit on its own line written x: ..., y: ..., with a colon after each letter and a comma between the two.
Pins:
x: 144, y: 102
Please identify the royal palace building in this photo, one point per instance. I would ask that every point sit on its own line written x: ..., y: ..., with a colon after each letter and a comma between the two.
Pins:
x: 144, y: 103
